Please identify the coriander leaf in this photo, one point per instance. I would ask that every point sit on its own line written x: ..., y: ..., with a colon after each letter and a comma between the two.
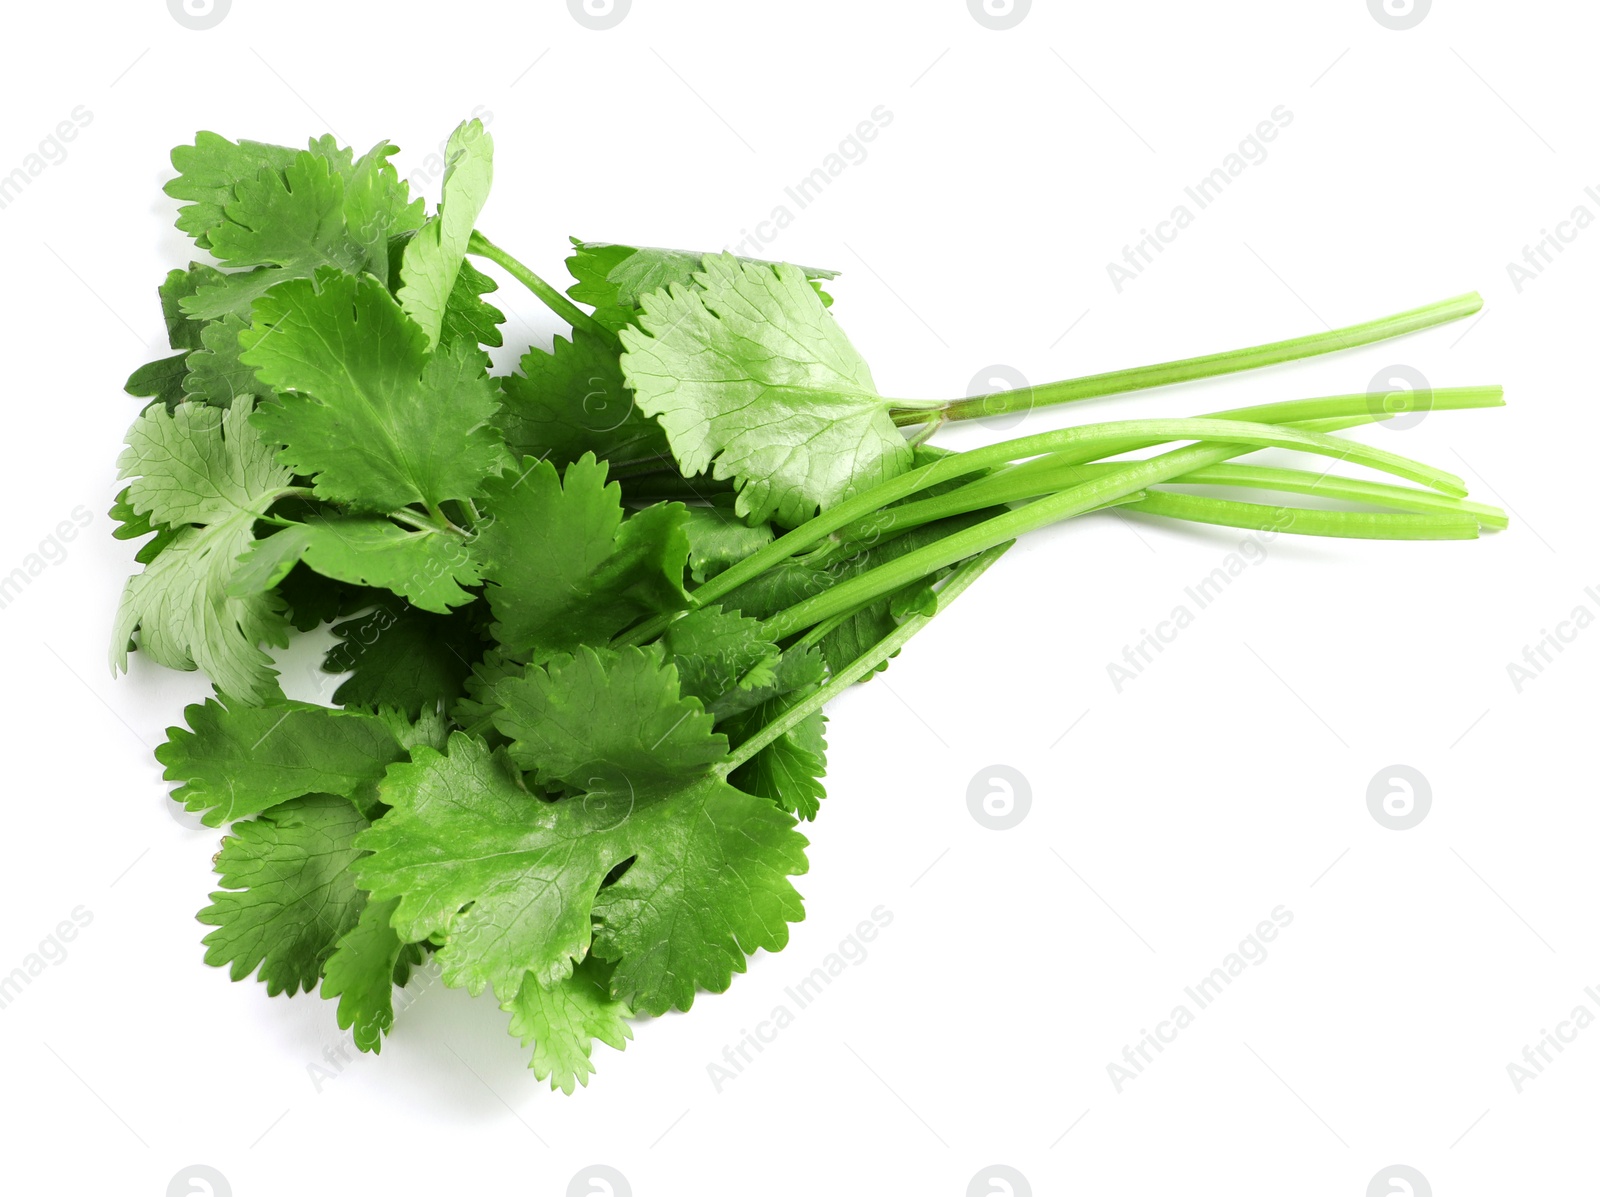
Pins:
x: 401, y: 657
x: 563, y: 1021
x: 238, y: 760
x: 718, y: 539
x: 475, y: 710
x: 433, y: 257
x: 321, y: 210
x: 717, y: 651
x: 290, y: 896
x: 573, y: 401
x: 162, y: 381
x: 209, y: 471
x: 613, y: 279
x: 790, y: 769
x: 514, y: 882
x: 467, y: 317
x: 215, y: 373
x: 131, y: 525
x: 182, y: 332
x: 564, y: 568
x: 750, y: 375
x: 208, y: 172
x: 428, y: 568
x: 196, y: 465
x: 612, y: 719
x: 800, y: 667
x: 314, y: 600
x: 378, y: 420
x: 362, y: 972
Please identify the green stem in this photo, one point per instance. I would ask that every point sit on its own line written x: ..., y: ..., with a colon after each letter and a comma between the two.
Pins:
x: 965, y: 576
x: 903, y: 570
x: 1306, y: 521
x: 553, y: 299
x: 1162, y: 374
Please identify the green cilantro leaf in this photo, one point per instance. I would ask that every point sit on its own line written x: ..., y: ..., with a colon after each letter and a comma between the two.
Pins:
x: 321, y: 210
x: 289, y: 895
x: 563, y: 1021
x: 207, y: 474
x: 161, y: 381
x: 718, y: 538
x: 564, y: 567
x: 749, y: 374
x: 380, y: 421
x: 573, y: 401
x: 215, y: 373
x: 400, y: 657
x: 467, y: 317
x: 517, y: 883
x: 614, y: 279
x: 432, y: 261
x: 363, y: 970
x: 717, y: 651
x: 208, y: 172
x: 238, y: 760
x: 790, y: 769
x: 428, y: 568
x: 612, y: 719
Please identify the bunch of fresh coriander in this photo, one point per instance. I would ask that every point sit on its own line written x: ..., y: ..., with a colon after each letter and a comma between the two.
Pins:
x: 590, y: 613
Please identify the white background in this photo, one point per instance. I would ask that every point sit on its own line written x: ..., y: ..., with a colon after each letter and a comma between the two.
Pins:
x: 1230, y: 778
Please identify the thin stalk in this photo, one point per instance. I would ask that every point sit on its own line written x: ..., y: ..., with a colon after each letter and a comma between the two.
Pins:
x: 482, y: 247
x: 965, y: 576
x: 1326, y: 486
x: 1116, y: 382
x: 1307, y: 521
x: 1049, y: 473
x: 1088, y: 440
x: 918, y: 563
